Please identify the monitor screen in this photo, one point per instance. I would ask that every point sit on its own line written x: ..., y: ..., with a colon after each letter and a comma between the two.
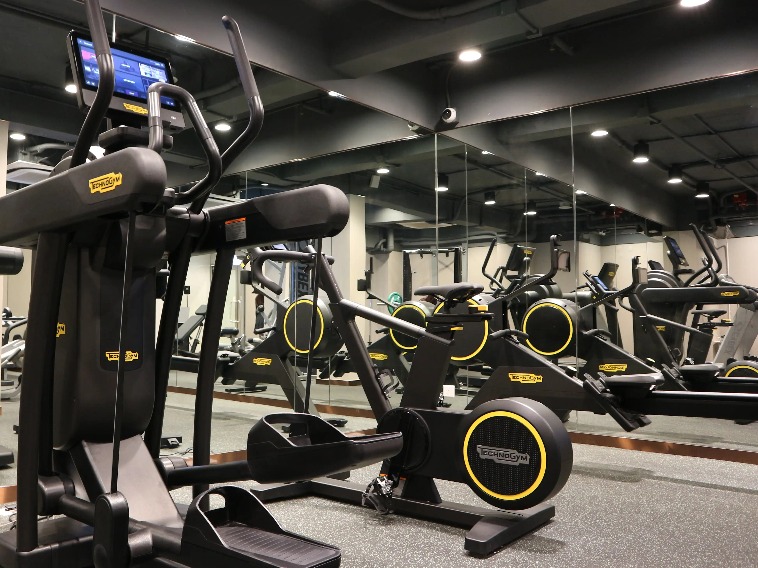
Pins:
x: 516, y: 259
x: 608, y: 273
x: 599, y: 283
x: 135, y: 71
x: 675, y: 253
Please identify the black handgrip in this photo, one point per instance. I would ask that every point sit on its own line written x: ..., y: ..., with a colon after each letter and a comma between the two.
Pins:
x: 261, y: 256
x: 713, y: 249
x: 261, y: 330
x: 200, y: 191
x: 11, y: 260
x: 254, y: 103
x: 510, y: 333
x: 105, y: 86
x: 498, y: 285
x: 240, y: 57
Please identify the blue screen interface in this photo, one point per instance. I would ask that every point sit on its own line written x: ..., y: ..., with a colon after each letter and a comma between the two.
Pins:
x: 134, y: 73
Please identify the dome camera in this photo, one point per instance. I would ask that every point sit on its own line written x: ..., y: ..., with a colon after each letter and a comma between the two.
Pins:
x: 449, y: 116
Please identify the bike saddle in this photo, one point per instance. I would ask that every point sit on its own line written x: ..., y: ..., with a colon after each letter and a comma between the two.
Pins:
x: 452, y: 293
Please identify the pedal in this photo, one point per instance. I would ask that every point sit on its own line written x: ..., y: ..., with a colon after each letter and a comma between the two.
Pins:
x: 170, y: 442
x: 387, y: 382
x: 442, y: 403
x: 378, y: 494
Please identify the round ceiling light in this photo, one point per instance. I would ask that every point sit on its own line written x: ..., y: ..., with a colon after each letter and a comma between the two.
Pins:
x: 469, y: 55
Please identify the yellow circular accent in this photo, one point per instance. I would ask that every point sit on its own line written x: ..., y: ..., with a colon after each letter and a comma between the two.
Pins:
x: 320, y: 335
x: 471, y: 302
x: 729, y: 372
x: 392, y: 331
x: 540, y: 443
x: 560, y: 309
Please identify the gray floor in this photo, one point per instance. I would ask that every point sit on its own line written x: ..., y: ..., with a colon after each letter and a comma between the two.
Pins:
x: 619, y: 508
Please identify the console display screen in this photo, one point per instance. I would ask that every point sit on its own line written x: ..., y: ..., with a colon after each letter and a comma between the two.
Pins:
x: 134, y: 72
x: 675, y: 253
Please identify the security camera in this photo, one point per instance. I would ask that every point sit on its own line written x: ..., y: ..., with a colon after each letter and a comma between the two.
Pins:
x: 449, y: 116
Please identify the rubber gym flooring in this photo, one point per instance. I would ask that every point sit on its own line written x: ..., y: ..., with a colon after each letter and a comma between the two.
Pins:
x: 619, y: 508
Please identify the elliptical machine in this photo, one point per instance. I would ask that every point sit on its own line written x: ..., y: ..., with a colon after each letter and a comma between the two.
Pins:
x: 100, y: 230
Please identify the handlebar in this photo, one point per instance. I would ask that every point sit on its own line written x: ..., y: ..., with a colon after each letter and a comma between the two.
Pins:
x: 198, y: 192
x: 555, y: 242
x: 254, y: 103
x: 707, y: 262
x: 498, y: 285
x: 261, y: 256
x: 105, y: 87
x: 713, y: 249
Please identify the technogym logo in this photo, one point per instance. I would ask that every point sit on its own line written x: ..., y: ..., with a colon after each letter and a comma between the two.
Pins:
x: 379, y: 356
x: 105, y: 183
x: 262, y: 361
x: 612, y: 367
x: 526, y: 378
x: 502, y: 455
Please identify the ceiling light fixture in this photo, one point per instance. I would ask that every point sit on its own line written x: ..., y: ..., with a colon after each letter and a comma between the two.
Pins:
x: 264, y: 184
x: 599, y: 133
x: 675, y: 174
x: 184, y: 38
x: 564, y: 205
x: 223, y: 126
x: 692, y: 3
x: 383, y: 170
x: 469, y: 55
x: 443, y: 182
x: 531, y: 209
x: 71, y: 88
x: 580, y: 192
x: 641, y: 153
x: 335, y: 94
x: 489, y: 197
x: 17, y: 136
x: 611, y: 205
x: 486, y: 152
x: 703, y: 190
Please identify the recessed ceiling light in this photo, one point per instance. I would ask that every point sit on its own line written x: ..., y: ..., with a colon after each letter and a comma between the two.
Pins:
x: 641, y: 153
x: 336, y: 94
x: 612, y: 205
x: 489, y: 197
x: 486, y: 152
x: 383, y: 171
x: 223, y: 126
x: 703, y: 190
x: 181, y: 37
x: 530, y: 213
x: 71, y: 88
x: 539, y: 174
x: 443, y: 182
x: 692, y: 3
x: 599, y: 133
x: 469, y: 55
x: 675, y: 174
x: 17, y: 136
x: 264, y: 184
x: 580, y: 192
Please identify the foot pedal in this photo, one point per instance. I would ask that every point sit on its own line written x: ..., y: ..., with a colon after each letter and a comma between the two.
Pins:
x: 244, y: 533
x: 378, y: 494
x: 170, y: 442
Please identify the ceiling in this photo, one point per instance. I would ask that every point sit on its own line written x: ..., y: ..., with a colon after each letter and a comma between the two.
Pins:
x: 397, y: 58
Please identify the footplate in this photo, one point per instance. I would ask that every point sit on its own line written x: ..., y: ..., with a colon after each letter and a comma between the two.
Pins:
x: 629, y: 421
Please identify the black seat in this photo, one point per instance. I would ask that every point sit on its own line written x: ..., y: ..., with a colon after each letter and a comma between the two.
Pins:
x: 459, y: 292
x: 229, y: 331
x: 710, y: 314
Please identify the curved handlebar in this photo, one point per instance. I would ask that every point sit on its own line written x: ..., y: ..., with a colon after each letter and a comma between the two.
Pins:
x: 105, y: 85
x: 555, y: 242
x: 707, y: 262
x: 714, y: 251
x: 198, y: 192
x: 498, y: 285
x: 262, y: 256
x: 254, y: 103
